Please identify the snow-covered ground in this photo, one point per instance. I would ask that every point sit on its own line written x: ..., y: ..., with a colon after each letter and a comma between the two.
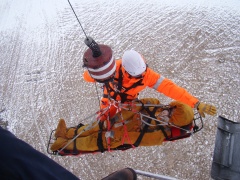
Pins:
x: 194, y: 43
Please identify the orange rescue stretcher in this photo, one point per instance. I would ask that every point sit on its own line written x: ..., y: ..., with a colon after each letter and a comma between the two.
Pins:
x: 145, y: 122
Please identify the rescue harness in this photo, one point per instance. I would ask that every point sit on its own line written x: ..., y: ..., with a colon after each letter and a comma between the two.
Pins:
x: 120, y: 90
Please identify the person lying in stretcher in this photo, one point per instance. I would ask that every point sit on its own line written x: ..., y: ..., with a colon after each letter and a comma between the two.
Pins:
x: 142, y: 126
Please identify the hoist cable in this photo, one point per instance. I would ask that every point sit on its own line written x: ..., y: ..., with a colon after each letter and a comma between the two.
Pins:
x: 78, y: 19
x: 89, y: 42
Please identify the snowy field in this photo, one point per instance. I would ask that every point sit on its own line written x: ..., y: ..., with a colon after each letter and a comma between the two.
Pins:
x: 194, y: 43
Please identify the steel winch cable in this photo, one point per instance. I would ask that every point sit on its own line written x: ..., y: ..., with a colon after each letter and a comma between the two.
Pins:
x: 78, y: 19
x: 90, y: 43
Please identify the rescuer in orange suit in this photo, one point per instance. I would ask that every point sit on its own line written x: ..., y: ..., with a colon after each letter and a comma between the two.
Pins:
x: 123, y: 79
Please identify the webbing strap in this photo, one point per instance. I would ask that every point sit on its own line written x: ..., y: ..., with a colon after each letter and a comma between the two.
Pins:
x: 152, y: 114
x: 99, y: 139
x: 163, y: 131
x: 108, y: 138
x: 139, y: 139
x: 125, y: 135
x: 75, y: 151
x: 145, y: 128
x: 162, y: 128
x: 120, y: 78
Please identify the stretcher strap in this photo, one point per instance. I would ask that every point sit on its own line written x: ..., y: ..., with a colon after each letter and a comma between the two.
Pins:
x: 139, y: 139
x: 108, y: 138
x: 152, y: 114
x: 126, y: 136
x: 75, y: 151
x: 99, y: 139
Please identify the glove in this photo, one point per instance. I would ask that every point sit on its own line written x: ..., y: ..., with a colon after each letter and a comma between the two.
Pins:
x: 205, y: 108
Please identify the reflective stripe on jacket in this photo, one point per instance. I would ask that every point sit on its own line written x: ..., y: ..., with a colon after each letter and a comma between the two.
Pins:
x: 150, y: 79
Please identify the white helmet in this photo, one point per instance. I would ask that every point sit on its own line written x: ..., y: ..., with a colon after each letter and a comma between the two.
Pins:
x: 133, y: 63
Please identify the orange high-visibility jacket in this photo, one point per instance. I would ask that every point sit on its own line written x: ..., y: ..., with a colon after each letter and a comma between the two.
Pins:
x: 150, y: 79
